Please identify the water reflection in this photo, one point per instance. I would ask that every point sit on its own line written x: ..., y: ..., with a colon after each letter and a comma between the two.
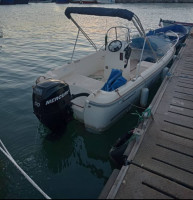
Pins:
x: 73, y: 148
x: 3, y: 180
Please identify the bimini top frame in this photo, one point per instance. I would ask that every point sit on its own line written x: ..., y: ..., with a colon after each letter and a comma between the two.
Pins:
x: 110, y: 12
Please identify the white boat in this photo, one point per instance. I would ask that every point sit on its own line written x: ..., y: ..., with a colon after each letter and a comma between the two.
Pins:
x: 105, y: 1
x: 99, y: 88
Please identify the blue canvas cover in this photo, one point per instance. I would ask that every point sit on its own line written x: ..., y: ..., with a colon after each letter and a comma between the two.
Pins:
x: 114, y: 81
x: 159, y: 43
x: 180, y: 30
x: 97, y: 11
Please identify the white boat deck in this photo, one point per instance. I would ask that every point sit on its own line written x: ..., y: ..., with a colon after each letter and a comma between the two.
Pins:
x: 87, y: 84
x: 96, y: 81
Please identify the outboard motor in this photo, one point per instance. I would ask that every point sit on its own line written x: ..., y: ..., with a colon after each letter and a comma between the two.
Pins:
x: 52, y: 103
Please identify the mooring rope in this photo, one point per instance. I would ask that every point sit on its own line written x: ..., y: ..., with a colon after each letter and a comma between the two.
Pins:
x: 8, y: 155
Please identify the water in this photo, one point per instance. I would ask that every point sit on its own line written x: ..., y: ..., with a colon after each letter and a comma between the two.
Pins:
x: 36, y: 38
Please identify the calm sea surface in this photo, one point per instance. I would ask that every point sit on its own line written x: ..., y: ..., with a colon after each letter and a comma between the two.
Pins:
x: 36, y: 38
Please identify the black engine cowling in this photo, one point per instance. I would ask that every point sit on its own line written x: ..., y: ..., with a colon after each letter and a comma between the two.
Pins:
x: 52, y: 103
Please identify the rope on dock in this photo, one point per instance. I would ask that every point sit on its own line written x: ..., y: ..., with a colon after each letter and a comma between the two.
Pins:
x: 8, y: 155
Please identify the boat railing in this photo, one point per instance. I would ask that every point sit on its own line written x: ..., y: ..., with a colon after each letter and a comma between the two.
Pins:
x: 139, y: 64
x: 86, y: 36
x: 84, y: 33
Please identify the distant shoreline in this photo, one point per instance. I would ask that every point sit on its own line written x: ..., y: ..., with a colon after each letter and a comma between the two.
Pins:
x: 154, y: 1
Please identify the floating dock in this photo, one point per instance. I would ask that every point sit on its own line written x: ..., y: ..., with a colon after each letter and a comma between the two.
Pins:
x: 160, y: 162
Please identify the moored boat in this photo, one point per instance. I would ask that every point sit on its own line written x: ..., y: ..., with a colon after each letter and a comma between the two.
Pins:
x: 105, y: 1
x: 7, y: 2
x: 12, y: 2
x: 21, y: 1
x: 99, y: 88
x: 83, y: 1
x: 62, y: 1
x: 164, y: 23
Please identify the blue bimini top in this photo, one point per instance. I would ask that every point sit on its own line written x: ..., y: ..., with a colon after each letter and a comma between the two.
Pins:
x: 122, y: 13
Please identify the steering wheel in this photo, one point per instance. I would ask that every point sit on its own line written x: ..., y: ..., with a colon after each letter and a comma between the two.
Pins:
x: 115, y: 46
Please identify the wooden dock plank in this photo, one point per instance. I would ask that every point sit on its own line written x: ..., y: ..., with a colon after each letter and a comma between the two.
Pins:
x: 176, y: 131
x: 166, y: 157
x: 176, y: 137
x: 174, y: 119
x: 182, y: 96
x: 180, y: 110
x: 176, y: 105
x: 182, y: 103
x: 184, y: 85
x: 184, y: 90
x: 142, y: 184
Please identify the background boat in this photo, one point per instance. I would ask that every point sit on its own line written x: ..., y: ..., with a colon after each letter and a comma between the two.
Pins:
x: 62, y: 1
x: 7, y: 2
x: 21, y: 1
x: 164, y: 23
x: 105, y: 1
x: 83, y: 1
x: 12, y: 2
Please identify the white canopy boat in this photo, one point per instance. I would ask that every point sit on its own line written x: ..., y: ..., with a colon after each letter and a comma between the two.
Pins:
x: 99, y: 88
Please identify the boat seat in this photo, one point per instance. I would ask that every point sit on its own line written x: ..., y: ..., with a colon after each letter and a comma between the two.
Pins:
x: 83, y: 83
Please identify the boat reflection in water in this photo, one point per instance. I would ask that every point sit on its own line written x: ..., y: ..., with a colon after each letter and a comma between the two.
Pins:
x: 72, y: 158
